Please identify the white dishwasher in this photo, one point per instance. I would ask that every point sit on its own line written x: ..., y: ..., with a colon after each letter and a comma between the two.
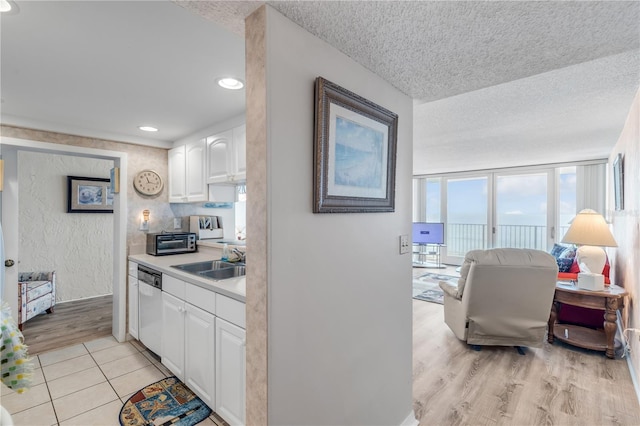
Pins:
x: 150, y: 308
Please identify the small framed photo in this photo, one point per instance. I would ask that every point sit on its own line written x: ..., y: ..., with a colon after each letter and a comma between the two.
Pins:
x: 354, y: 152
x: 89, y: 195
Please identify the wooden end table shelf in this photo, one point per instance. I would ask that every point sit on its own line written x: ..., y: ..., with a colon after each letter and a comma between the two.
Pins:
x: 608, y: 300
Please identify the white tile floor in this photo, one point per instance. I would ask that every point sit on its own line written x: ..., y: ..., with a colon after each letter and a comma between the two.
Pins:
x: 85, y: 384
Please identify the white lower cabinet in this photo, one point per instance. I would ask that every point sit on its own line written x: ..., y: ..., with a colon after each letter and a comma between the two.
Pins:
x: 199, y: 336
x: 132, y: 310
x: 173, y: 320
x: 204, y: 346
x: 230, y: 372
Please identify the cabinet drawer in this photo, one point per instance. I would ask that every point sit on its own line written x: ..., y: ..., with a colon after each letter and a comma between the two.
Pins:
x: 230, y: 310
x: 202, y: 298
x: 173, y: 286
x: 133, y: 269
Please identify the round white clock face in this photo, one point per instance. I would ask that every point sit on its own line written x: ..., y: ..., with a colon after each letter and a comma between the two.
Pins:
x: 148, y: 182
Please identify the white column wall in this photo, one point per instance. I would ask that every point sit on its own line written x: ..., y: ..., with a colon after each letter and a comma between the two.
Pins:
x: 339, y: 292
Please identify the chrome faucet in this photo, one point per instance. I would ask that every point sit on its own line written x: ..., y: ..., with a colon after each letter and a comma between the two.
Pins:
x: 242, y: 256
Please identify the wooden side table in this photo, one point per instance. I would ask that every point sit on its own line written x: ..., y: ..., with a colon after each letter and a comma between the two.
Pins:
x: 609, y: 300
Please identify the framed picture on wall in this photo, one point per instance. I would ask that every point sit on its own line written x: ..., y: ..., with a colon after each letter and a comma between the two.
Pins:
x: 618, y: 182
x: 354, y: 152
x: 89, y: 195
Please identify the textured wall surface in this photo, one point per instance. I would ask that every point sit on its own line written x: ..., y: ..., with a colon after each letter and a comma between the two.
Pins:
x: 79, y: 247
x: 139, y: 158
x: 625, y: 260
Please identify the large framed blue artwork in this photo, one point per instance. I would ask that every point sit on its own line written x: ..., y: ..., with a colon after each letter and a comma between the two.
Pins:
x: 354, y: 152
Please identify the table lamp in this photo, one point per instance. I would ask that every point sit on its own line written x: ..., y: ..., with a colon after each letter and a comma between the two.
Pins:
x: 590, y: 232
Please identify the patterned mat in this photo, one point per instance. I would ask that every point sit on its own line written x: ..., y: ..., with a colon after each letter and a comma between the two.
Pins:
x: 167, y: 402
x: 425, y: 287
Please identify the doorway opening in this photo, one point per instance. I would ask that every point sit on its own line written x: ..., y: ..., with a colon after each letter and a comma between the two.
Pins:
x: 10, y: 220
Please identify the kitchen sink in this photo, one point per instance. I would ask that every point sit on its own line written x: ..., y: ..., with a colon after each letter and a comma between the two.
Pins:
x: 209, y: 265
x: 221, y: 274
x: 213, y: 269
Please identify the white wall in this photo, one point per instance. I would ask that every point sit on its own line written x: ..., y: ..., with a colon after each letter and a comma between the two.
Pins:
x: 339, y: 293
x: 625, y: 259
x: 78, y: 246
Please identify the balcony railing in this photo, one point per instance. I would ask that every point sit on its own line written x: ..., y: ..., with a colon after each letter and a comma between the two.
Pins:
x: 462, y: 237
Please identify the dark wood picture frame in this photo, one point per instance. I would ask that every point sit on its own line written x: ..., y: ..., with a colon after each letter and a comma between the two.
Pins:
x: 354, y: 152
x: 89, y: 195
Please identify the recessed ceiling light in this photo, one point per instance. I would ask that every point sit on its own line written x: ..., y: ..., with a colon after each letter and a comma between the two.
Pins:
x: 148, y: 128
x: 230, y: 83
x: 5, y: 6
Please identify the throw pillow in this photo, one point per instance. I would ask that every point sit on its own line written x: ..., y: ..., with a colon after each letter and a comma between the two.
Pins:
x: 557, y: 250
x: 568, y: 253
x: 564, y: 264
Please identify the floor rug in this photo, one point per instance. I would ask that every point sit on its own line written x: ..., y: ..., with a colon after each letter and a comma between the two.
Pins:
x: 425, y: 287
x: 167, y: 402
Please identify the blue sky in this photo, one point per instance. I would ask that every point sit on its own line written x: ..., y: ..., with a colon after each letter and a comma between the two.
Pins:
x: 521, y: 199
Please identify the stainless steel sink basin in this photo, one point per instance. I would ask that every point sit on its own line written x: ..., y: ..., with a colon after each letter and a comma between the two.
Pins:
x: 215, y: 270
x: 209, y: 265
x: 221, y: 274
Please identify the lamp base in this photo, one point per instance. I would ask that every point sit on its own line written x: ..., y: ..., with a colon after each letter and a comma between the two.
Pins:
x: 594, y: 258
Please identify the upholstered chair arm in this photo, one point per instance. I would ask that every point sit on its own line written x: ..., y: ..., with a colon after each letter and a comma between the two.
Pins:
x: 450, y: 289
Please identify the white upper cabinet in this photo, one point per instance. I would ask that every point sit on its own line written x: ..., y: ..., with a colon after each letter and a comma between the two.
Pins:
x: 196, y: 171
x: 219, y: 161
x: 227, y: 156
x: 177, y: 175
x: 187, y: 171
x: 240, y: 153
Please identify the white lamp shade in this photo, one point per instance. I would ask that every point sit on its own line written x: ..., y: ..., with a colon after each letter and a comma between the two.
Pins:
x: 589, y: 228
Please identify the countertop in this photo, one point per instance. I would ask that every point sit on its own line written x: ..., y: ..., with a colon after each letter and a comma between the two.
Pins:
x: 219, y: 243
x: 234, y: 288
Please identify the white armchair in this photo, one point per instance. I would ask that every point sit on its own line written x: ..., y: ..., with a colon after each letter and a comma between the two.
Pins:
x: 503, y: 297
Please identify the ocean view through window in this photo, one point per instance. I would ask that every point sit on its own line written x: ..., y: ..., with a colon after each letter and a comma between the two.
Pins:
x: 515, y: 208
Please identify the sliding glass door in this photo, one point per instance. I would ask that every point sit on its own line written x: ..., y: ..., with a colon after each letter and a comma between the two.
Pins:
x: 521, y: 214
x: 520, y: 208
x: 467, y: 208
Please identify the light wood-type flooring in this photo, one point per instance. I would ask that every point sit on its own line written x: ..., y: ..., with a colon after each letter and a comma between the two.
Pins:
x: 452, y: 384
x: 555, y: 385
x: 70, y: 323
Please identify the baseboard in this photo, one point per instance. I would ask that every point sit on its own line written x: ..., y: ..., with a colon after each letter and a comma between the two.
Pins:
x: 410, y: 420
x: 632, y: 371
x: 83, y: 298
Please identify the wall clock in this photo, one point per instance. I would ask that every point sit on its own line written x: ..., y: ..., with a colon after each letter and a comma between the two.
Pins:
x: 148, y: 182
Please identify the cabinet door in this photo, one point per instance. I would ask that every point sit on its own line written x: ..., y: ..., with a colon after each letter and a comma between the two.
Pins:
x: 230, y: 372
x: 177, y: 175
x: 173, y: 334
x: 240, y: 153
x: 219, y: 157
x: 199, y: 335
x: 133, y: 306
x: 196, y: 171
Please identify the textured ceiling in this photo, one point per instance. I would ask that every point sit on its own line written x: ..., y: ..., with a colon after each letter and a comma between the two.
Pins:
x: 434, y: 50
x: 494, y: 83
